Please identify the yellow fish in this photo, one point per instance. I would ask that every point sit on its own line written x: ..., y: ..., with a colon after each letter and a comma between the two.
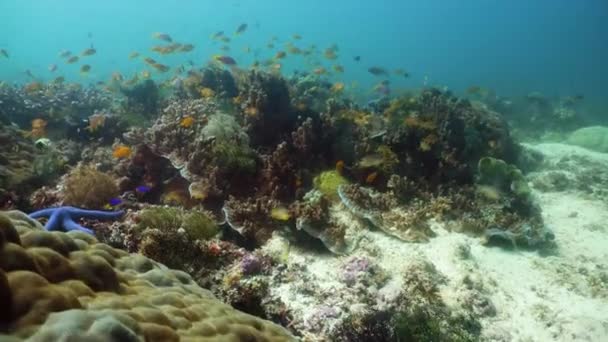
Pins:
x: 280, y: 214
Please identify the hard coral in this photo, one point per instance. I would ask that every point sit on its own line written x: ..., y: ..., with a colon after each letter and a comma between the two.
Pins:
x: 51, y: 280
x: 86, y: 187
x: 441, y: 138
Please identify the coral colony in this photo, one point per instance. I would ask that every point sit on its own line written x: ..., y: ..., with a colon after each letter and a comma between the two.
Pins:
x: 233, y: 203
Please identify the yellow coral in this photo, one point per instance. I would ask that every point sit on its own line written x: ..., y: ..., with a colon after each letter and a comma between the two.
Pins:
x: 53, y: 280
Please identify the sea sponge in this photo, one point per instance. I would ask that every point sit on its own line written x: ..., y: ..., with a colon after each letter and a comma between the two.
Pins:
x: 79, y: 289
x: 328, y: 182
x: 86, y: 187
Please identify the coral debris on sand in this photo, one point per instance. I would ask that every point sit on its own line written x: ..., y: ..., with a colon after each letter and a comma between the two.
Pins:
x: 58, y: 286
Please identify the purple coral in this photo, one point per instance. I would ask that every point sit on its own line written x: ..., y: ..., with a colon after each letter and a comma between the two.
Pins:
x: 354, y: 269
x: 251, y: 264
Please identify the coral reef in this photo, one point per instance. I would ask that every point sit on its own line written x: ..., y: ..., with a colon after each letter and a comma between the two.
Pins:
x: 103, y: 293
x: 384, y: 212
x: 86, y: 187
x: 265, y: 105
x: 211, y: 154
x: 440, y: 138
x: 56, y: 102
x: 24, y: 165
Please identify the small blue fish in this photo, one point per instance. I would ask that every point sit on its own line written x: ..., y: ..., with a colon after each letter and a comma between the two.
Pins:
x: 115, y: 201
x: 142, y: 189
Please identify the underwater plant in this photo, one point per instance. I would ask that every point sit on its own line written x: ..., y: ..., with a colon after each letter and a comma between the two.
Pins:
x: 87, y: 187
x: 198, y: 225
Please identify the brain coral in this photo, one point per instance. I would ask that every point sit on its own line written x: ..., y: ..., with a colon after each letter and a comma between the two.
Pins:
x: 67, y: 286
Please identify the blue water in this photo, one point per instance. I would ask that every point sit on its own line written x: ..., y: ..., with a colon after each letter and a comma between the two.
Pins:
x: 558, y: 47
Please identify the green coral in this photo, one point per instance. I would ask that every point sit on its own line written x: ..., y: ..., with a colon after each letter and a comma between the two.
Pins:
x: 230, y: 156
x: 505, y: 177
x: 594, y: 138
x: 198, y: 225
x: 231, y: 148
x: 328, y: 182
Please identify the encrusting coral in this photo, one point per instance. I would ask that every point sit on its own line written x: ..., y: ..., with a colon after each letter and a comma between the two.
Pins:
x: 58, y: 286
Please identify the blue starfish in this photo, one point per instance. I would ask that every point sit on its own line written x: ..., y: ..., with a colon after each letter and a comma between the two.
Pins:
x: 64, y: 218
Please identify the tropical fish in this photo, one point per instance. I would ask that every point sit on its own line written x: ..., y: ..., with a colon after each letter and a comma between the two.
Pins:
x: 96, y: 121
x: 294, y: 50
x: 280, y: 214
x: 187, y: 121
x: 280, y: 55
x: 402, y: 72
x: 121, y: 151
x: 162, y: 36
x: 330, y: 54
x: 338, y: 87
x: 72, y: 60
x: 59, y: 80
x: 65, y: 54
x: 89, y: 52
x: 217, y: 35
x: 371, y: 160
x: 85, y: 69
x: 226, y: 60
x: 338, y: 68
x: 340, y: 167
x: 320, y: 71
x: 145, y: 74
x: 296, y: 37
x: 133, y: 55
x: 52, y: 67
x: 160, y: 67
x: 357, y: 58
x: 149, y: 61
x: 242, y: 28
x: 4, y: 53
x: 143, y: 189
x: 186, y: 48
x: 115, y: 201
x: 371, y: 177
x: 377, y: 71
x: 38, y: 128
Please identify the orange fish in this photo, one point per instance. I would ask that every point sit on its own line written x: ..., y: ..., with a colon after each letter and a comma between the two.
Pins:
x: 96, y: 121
x: 371, y: 177
x: 340, y: 167
x: 187, y: 122
x: 121, y: 151
x: 38, y: 128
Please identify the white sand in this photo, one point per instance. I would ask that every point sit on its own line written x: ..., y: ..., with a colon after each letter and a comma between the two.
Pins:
x: 520, y: 295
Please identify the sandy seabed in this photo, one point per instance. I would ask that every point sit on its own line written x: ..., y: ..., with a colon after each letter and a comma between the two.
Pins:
x: 524, y: 295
